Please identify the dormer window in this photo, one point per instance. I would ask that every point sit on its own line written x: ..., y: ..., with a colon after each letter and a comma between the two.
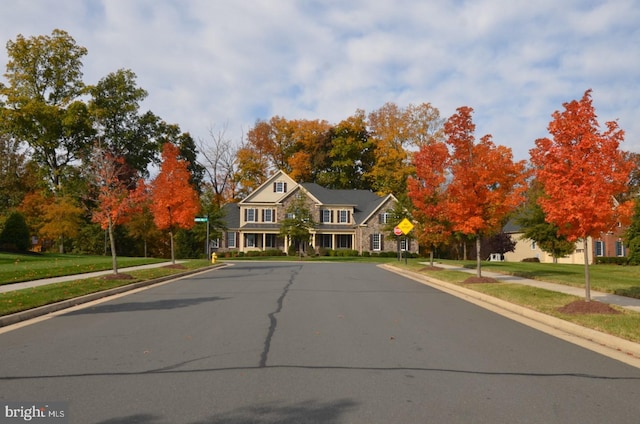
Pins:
x: 280, y: 187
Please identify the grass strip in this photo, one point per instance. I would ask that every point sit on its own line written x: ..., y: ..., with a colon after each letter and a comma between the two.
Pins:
x: 22, y: 300
x: 625, y: 325
x: 15, y: 268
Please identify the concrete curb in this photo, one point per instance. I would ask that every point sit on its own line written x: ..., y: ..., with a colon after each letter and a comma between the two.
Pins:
x: 593, y: 336
x: 64, y: 304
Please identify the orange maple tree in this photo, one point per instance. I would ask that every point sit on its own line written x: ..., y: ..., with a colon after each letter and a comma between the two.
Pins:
x: 175, y: 202
x: 427, y: 193
x: 581, y: 170
x: 486, y: 184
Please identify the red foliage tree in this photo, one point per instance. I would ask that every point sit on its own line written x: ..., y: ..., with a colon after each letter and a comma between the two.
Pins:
x: 485, y: 183
x: 581, y: 170
x: 175, y: 202
x: 427, y: 193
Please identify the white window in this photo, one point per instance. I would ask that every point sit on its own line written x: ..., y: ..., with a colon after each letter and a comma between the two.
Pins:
x: 376, y: 241
x: 403, y: 244
x: 384, y: 218
x: 280, y: 187
x: 231, y: 239
x: 250, y: 240
x: 533, y: 245
x: 343, y: 217
x: 215, y: 243
x: 268, y: 215
x: 619, y: 248
x: 251, y: 215
x: 325, y: 215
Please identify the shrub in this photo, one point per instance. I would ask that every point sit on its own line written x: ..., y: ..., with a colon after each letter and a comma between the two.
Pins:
x: 15, y: 234
x: 612, y: 260
x: 530, y: 260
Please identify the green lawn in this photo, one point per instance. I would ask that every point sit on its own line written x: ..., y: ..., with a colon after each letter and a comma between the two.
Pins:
x: 616, y: 279
x: 15, y: 268
x: 21, y: 300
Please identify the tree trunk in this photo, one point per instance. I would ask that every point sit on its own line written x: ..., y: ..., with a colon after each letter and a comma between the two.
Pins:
x: 431, y: 257
x: 587, y: 279
x: 61, y: 245
x: 173, y: 255
x: 478, y: 243
x: 112, y: 243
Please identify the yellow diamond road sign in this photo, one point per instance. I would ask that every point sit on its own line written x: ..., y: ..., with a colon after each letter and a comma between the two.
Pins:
x: 406, y: 226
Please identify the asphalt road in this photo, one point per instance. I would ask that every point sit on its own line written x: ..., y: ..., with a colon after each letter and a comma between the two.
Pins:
x: 307, y: 343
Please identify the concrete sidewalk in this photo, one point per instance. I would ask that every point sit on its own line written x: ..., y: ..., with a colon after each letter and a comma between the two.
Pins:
x: 612, y: 299
x: 45, y: 281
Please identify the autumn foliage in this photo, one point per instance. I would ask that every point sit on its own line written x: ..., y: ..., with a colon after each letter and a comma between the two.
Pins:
x: 175, y: 203
x: 467, y: 186
x: 581, y: 171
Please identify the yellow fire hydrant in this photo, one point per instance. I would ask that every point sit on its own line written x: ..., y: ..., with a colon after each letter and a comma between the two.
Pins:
x: 214, y: 258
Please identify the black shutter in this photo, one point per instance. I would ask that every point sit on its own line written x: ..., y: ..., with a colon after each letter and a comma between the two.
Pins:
x: 285, y: 187
x: 382, y: 242
x: 274, y: 187
x: 371, y: 242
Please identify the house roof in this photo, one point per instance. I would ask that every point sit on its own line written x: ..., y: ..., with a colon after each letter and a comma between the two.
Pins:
x: 232, y: 215
x: 364, y: 202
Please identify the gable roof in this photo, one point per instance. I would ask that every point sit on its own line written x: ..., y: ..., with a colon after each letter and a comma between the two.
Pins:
x: 277, y: 175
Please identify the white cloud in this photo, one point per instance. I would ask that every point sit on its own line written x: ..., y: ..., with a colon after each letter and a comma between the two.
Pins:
x: 209, y: 62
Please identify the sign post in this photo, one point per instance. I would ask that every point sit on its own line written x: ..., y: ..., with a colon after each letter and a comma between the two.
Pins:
x: 405, y: 226
x: 207, y: 247
x: 398, y: 232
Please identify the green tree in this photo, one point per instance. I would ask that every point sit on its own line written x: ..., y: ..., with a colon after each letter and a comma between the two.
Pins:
x: 350, y: 155
x: 632, y: 235
x: 298, y: 222
x: 18, y: 175
x: 42, y: 100
x: 123, y: 131
x: 535, y: 227
x: 15, y: 234
x: 170, y: 133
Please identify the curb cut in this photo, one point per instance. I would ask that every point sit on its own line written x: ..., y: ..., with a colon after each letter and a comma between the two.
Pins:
x: 617, y: 344
x: 64, y: 304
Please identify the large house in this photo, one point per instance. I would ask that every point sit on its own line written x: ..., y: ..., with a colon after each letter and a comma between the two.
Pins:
x: 346, y: 219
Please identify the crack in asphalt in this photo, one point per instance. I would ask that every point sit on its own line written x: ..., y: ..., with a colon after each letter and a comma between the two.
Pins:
x: 273, y: 322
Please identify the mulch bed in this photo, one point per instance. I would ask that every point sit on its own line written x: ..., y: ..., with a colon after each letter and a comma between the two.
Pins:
x: 117, y: 277
x: 431, y: 268
x: 480, y: 280
x: 584, y: 307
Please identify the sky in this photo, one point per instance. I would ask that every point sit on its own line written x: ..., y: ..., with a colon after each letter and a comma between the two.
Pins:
x: 214, y: 66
